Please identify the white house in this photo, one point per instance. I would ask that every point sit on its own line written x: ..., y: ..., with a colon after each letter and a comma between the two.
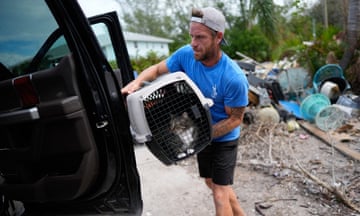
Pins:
x: 140, y: 44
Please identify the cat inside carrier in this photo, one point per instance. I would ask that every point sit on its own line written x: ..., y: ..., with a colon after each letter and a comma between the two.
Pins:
x: 171, y: 116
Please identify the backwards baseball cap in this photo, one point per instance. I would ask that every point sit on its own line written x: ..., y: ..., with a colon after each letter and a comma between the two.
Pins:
x: 211, y: 18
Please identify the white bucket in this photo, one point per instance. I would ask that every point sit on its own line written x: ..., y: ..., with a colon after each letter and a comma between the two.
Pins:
x: 331, y: 90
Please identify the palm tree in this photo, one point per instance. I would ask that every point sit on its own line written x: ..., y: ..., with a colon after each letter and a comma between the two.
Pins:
x: 261, y: 12
x: 265, y: 14
x: 352, y: 32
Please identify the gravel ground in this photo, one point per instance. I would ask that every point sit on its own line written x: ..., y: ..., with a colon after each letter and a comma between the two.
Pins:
x: 269, y: 180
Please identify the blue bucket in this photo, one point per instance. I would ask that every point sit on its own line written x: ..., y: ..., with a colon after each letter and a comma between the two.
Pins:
x: 333, y: 73
x: 312, y: 105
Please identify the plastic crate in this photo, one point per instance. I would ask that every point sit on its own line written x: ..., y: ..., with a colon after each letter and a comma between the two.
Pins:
x: 171, y: 116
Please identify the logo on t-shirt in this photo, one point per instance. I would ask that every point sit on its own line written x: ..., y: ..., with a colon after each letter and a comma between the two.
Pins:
x: 214, y: 92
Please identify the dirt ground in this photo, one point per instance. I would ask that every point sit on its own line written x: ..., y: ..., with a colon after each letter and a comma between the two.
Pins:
x: 281, y: 173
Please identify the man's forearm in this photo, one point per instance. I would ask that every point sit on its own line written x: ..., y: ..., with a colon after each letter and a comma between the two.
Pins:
x: 149, y: 74
x: 225, y: 126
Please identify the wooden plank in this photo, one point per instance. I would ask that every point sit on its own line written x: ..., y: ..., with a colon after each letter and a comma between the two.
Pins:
x: 338, y: 145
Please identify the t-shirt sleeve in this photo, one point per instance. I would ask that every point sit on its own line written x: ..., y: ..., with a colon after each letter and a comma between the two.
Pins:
x: 237, y: 91
x: 173, y: 62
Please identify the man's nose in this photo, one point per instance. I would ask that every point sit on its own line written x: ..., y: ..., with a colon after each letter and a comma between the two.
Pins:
x: 193, y: 42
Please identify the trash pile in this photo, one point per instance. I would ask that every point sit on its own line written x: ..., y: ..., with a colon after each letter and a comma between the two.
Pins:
x: 289, y: 94
x: 290, y: 114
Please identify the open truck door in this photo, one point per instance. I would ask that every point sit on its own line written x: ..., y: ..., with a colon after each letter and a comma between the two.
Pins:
x: 65, y: 143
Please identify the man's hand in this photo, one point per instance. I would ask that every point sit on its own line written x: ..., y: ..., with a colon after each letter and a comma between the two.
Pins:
x: 131, y: 87
x: 148, y: 75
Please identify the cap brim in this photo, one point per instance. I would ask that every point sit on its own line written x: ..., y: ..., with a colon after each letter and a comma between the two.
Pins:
x: 224, y: 42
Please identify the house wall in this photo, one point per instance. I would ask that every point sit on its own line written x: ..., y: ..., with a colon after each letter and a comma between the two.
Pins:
x: 142, y: 48
x: 138, y: 45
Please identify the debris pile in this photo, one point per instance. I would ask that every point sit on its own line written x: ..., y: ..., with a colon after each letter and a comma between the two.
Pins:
x: 284, y: 118
x: 325, y: 100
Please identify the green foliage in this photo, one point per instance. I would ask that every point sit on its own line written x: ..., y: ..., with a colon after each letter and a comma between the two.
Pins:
x: 301, y: 26
x: 264, y: 10
x: 113, y: 64
x: 249, y: 42
x: 313, y: 57
x: 141, y: 63
x: 293, y: 32
x: 146, y: 18
x: 286, y: 49
x: 149, y: 17
x: 179, y: 41
x: 336, y: 13
x: 258, y: 28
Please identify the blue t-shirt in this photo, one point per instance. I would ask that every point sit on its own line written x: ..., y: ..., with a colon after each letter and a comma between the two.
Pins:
x: 225, y: 83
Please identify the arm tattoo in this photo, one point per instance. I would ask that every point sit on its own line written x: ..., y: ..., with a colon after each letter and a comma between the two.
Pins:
x: 237, y: 112
x: 225, y: 126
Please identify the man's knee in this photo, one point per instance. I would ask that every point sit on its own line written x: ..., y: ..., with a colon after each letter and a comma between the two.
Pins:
x: 220, y: 192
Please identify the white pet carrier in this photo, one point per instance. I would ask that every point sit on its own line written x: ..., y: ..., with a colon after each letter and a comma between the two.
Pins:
x: 171, y: 116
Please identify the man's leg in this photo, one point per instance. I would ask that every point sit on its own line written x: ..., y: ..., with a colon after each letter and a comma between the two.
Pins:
x: 235, y: 205
x: 222, y: 200
x: 217, y: 163
x: 219, y: 198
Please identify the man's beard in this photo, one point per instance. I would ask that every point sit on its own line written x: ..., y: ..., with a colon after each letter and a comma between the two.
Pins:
x: 201, y: 57
x: 205, y: 54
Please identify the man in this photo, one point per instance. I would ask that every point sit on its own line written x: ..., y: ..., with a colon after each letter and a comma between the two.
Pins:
x: 218, y: 78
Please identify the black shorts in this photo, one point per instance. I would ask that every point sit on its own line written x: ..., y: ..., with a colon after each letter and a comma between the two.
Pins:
x: 217, y: 161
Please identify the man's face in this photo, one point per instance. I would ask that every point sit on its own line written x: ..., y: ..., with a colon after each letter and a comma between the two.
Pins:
x: 203, y: 41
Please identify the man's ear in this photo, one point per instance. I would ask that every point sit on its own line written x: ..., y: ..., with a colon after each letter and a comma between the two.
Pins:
x: 219, y: 36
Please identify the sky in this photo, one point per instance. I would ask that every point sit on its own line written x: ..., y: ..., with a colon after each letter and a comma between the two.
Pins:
x: 19, y: 38
x: 281, y: 2
x: 94, y: 7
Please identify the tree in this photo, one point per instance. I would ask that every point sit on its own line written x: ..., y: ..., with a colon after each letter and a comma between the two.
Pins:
x: 264, y: 11
x: 250, y: 42
x: 155, y: 17
x: 336, y: 13
x: 252, y: 28
x: 146, y: 17
x: 352, y: 32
